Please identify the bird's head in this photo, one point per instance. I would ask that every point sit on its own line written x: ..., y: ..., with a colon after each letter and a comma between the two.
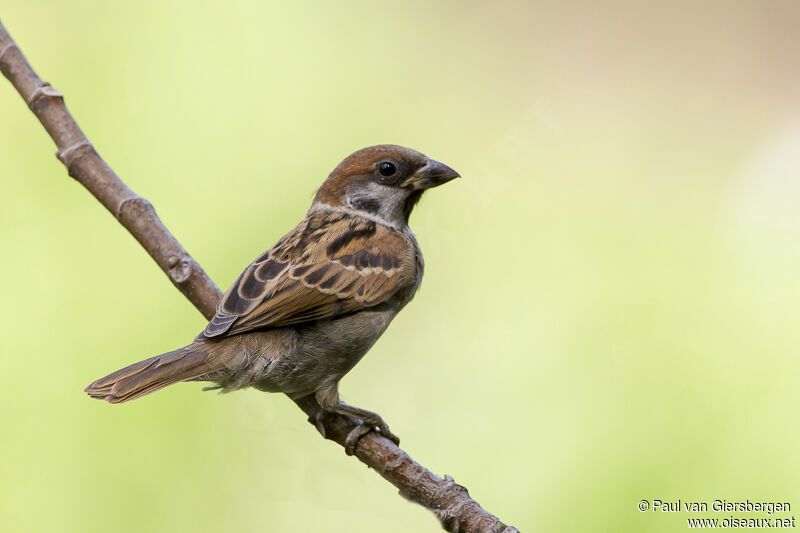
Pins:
x: 383, y: 181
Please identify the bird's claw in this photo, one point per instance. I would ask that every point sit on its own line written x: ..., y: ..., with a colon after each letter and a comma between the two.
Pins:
x: 317, y: 420
x: 361, y: 429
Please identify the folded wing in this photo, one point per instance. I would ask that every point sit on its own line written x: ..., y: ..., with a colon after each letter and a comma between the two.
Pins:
x: 329, y: 265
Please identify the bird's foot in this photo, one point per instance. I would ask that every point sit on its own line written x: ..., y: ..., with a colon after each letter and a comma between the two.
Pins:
x: 361, y: 429
x: 318, y: 419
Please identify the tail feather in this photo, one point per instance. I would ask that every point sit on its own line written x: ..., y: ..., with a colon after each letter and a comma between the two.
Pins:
x: 151, y: 375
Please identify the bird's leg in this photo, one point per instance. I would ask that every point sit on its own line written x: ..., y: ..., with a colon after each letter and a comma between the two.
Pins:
x: 366, y: 421
x: 318, y: 419
x: 317, y: 414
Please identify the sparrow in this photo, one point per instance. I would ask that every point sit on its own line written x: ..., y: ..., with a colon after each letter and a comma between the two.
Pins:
x: 307, y: 310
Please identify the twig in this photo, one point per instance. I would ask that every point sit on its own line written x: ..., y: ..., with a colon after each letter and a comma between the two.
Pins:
x: 450, y: 502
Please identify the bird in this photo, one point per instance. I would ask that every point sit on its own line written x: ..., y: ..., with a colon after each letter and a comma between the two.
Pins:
x: 304, y: 312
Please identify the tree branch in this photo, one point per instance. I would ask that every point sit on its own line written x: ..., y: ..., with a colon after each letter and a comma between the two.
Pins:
x: 450, y: 502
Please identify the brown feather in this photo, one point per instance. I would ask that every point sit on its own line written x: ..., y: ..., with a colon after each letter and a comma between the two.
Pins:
x: 326, y: 266
x: 152, y: 374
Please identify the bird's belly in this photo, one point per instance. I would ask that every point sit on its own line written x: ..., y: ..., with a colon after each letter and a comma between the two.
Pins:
x: 324, y: 352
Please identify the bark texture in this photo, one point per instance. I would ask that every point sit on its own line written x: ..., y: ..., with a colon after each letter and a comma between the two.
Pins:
x: 450, y: 502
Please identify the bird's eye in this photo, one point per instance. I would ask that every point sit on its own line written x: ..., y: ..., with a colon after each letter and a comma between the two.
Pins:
x: 387, y: 168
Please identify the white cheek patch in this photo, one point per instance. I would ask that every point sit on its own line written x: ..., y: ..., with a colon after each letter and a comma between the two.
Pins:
x: 381, y: 201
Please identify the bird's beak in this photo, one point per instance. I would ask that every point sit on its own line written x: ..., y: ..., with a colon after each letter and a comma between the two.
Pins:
x: 432, y: 174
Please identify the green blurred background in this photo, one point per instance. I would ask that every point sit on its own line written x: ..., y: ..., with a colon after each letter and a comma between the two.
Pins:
x: 611, y: 301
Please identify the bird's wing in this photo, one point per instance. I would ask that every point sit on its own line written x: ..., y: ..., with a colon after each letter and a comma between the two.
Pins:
x: 330, y: 265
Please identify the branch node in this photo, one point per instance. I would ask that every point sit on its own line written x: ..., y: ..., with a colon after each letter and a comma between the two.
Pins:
x: 6, y: 48
x: 45, y: 90
x: 451, y: 486
x: 179, y: 270
x: 71, y: 154
x: 144, y: 206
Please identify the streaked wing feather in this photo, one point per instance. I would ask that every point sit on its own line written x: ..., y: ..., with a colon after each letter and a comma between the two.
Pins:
x: 327, y: 266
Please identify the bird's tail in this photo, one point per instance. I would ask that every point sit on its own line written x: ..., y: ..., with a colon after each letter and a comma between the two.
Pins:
x: 152, y: 374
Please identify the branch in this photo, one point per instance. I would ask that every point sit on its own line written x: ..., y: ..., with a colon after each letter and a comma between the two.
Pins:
x: 450, y: 502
